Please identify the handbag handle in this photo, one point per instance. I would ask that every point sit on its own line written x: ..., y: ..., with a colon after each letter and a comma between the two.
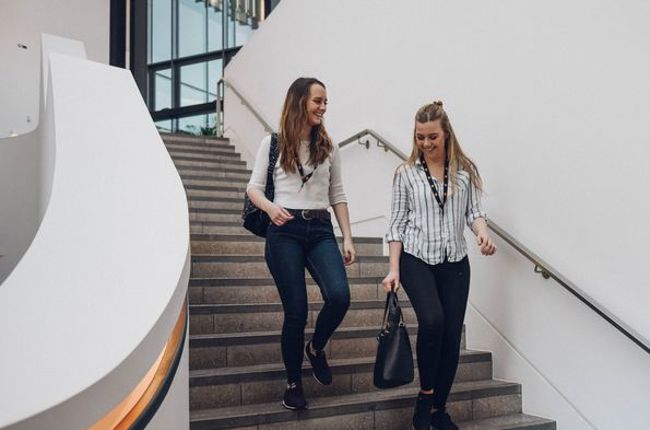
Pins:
x: 392, y: 302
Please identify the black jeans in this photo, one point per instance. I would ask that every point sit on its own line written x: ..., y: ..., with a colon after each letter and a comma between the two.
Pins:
x: 438, y: 294
x: 291, y: 248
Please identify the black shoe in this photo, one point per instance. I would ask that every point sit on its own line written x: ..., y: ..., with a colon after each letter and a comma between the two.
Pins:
x: 294, y: 398
x: 319, y: 365
x: 422, y: 413
x: 440, y: 420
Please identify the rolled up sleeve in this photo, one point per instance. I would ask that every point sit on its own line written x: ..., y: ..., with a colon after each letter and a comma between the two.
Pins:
x: 474, y: 208
x: 399, y: 209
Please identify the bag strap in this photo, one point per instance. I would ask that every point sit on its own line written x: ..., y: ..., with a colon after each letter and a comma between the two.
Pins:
x: 269, y: 190
x: 392, y: 302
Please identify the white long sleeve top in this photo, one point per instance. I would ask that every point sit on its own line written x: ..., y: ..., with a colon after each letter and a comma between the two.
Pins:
x: 322, y: 190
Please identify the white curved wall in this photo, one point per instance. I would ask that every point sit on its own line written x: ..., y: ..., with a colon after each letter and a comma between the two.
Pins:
x: 22, y: 22
x: 550, y: 98
x: 90, y: 306
x: 19, y: 158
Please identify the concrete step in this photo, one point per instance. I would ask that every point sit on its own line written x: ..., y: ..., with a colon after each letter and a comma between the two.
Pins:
x: 208, y: 216
x: 249, y: 244
x: 236, y: 318
x: 202, y: 165
x: 263, y: 290
x: 225, y: 203
x: 260, y: 384
x: 193, y: 140
x: 509, y: 422
x: 215, y: 193
x: 224, y: 150
x: 209, y: 351
x: 217, y: 227
x: 209, y: 173
x: 219, y: 184
x: 240, y: 266
x: 219, y: 157
x: 377, y: 410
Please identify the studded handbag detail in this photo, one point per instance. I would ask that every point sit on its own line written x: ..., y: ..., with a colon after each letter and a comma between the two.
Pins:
x: 256, y: 220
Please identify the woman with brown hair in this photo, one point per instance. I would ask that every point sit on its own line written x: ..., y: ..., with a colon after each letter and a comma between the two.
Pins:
x: 307, y: 180
x: 435, y: 193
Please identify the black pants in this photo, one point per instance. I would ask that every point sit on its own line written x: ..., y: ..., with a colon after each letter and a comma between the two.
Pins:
x: 438, y: 294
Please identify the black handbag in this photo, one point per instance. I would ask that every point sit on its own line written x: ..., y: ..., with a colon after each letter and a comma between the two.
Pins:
x: 394, y: 362
x: 256, y: 220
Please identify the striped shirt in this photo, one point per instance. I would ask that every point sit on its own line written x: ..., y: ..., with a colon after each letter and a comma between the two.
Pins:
x: 416, y: 220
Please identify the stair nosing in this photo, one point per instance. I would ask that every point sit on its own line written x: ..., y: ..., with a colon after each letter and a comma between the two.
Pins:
x: 232, y: 308
x: 268, y: 281
x: 234, y: 162
x: 265, y: 413
x: 210, y: 258
x: 222, y: 237
x: 272, y: 371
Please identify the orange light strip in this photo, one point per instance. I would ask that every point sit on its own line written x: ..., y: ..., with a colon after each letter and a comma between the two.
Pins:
x: 124, y: 415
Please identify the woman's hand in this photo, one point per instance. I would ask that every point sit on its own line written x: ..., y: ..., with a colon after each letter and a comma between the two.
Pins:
x: 391, y: 281
x: 278, y: 214
x: 485, y: 243
x: 349, y: 253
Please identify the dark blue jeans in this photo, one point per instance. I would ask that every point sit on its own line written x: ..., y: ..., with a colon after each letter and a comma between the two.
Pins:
x: 291, y: 248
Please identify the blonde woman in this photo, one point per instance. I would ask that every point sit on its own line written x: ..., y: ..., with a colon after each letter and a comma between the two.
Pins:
x: 435, y: 193
x: 307, y: 179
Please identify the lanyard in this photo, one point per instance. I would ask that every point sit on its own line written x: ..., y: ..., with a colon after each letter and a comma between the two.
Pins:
x: 304, y: 178
x: 445, y: 185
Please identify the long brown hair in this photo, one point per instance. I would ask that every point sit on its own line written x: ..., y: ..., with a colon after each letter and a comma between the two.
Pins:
x: 292, y: 121
x: 457, y: 158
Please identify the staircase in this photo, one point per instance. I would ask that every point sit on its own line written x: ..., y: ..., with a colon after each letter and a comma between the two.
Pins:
x: 236, y: 372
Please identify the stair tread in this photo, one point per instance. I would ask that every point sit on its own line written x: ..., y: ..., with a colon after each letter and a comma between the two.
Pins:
x: 234, y: 338
x: 228, y: 308
x: 191, y: 138
x: 249, y: 282
x: 505, y: 422
x: 216, y: 199
x: 385, y: 399
x: 253, y: 238
x: 466, y: 356
x: 242, y: 258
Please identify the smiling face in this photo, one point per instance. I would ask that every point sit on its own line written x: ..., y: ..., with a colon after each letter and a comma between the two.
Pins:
x: 430, y: 139
x: 316, y: 105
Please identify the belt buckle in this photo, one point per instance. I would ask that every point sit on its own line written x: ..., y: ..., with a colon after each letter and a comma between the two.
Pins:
x: 303, y: 214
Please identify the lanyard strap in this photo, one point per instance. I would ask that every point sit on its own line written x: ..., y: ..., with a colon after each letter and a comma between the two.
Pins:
x: 304, y: 177
x: 445, y: 186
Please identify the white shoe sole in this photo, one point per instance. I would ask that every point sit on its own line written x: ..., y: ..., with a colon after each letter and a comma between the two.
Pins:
x: 293, y: 408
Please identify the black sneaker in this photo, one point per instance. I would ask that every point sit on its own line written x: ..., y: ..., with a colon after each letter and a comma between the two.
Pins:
x: 422, y: 413
x: 294, y: 398
x: 440, y: 420
x: 319, y: 365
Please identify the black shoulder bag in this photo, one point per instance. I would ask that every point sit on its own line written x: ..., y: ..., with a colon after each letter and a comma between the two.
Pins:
x: 256, y: 220
x: 394, y: 362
